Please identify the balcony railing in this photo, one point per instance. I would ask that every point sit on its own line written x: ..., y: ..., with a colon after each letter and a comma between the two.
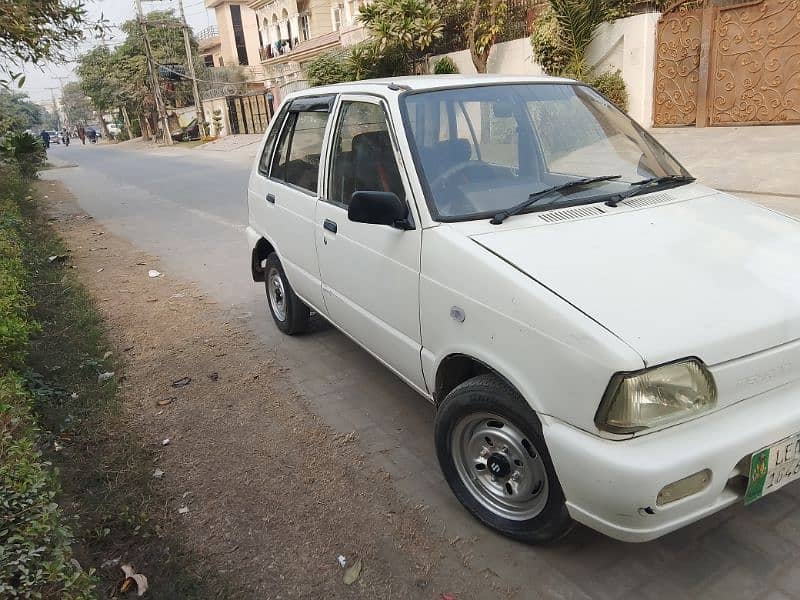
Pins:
x: 207, y: 33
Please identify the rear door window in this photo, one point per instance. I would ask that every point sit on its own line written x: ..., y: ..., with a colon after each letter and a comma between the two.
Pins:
x: 296, y: 158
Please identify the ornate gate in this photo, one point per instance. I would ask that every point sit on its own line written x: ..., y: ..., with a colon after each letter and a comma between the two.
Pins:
x: 733, y: 62
x: 677, y: 66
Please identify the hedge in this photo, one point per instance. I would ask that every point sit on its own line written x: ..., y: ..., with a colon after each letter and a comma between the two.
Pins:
x: 35, y: 547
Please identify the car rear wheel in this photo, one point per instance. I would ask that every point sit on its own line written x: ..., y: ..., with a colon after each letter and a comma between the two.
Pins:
x: 494, y: 457
x: 288, y: 311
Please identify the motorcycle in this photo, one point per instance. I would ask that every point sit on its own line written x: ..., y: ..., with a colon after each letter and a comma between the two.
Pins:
x: 65, y: 139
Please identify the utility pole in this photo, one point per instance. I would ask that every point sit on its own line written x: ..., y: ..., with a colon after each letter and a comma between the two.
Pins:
x: 55, y: 107
x: 162, y: 111
x: 198, y: 104
x: 66, y: 114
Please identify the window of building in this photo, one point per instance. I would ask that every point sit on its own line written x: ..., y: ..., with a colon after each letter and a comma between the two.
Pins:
x: 238, y: 34
x: 337, y: 19
x: 305, y: 27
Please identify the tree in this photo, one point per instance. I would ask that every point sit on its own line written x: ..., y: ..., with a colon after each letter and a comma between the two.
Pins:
x: 485, y: 24
x: 411, y: 25
x: 75, y: 103
x: 34, y: 31
x: 577, y: 22
x: 99, y: 81
x: 17, y: 113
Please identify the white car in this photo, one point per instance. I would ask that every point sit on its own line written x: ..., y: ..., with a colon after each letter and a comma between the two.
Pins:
x: 606, y: 341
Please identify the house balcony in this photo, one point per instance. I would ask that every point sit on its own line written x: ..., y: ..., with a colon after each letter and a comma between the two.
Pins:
x: 302, y: 51
x: 207, y: 38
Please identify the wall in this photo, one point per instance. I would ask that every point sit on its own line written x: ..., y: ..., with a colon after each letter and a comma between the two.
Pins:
x: 209, y: 106
x: 627, y: 44
x: 630, y: 45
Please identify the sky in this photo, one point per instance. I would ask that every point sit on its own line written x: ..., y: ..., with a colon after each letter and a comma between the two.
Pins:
x: 38, y: 79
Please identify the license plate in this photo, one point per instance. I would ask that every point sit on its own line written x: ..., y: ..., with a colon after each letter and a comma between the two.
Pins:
x: 773, y: 467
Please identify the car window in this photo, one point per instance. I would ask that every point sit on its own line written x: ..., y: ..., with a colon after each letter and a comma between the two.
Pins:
x: 363, y: 158
x: 296, y: 159
x: 263, y: 164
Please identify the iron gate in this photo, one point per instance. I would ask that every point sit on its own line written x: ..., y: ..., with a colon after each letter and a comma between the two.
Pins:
x: 249, y: 113
x: 728, y: 62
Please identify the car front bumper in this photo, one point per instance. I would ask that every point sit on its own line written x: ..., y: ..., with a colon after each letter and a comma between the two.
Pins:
x: 611, y: 486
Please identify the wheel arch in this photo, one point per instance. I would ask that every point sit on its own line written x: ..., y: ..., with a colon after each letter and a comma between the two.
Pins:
x: 261, y: 251
x: 456, y: 368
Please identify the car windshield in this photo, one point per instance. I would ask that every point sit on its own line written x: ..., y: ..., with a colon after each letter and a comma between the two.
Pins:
x: 483, y: 149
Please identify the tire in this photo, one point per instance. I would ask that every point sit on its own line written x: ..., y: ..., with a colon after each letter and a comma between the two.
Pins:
x: 288, y: 311
x: 516, y: 491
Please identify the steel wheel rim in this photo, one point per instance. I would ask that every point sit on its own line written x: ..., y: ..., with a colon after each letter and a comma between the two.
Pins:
x: 499, y: 466
x: 277, y: 294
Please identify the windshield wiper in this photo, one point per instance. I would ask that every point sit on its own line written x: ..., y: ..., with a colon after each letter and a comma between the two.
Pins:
x: 643, y: 187
x: 665, y: 179
x: 501, y: 216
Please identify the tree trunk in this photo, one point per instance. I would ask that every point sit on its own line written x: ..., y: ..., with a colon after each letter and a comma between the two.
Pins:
x: 479, y: 59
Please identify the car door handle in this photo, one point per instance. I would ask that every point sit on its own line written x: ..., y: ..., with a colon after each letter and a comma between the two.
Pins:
x: 330, y: 226
x: 271, y: 198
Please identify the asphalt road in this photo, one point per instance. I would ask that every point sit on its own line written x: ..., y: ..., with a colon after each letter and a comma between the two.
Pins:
x: 189, y: 209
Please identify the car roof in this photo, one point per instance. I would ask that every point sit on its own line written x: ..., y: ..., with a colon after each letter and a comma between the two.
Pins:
x: 417, y: 83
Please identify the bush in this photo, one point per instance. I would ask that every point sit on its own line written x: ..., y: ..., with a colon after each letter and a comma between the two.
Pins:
x: 25, y: 151
x: 612, y: 86
x: 445, y: 66
x: 365, y: 60
x: 546, y: 43
x: 327, y: 68
x: 35, y: 556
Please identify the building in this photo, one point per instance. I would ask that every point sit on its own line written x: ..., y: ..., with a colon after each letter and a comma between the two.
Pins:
x: 235, y: 39
x: 292, y: 32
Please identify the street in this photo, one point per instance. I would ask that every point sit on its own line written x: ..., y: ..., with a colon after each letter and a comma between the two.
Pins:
x: 189, y: 209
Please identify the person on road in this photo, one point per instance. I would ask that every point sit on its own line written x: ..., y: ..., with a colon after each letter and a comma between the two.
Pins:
x: 82, y: 134
x: 45, y: 139
x: 92, y: 135
x: 65, y: 136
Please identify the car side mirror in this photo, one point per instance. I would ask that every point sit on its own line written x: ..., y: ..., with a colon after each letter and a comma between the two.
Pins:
x: 378, y: 208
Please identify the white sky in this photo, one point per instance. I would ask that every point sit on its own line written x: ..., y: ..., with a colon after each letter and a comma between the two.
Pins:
x: 115, y: 12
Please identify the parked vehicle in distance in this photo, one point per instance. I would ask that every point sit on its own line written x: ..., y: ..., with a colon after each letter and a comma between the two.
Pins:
x: 113, y: 129
x: 55, y: 138
x: 605, y: 340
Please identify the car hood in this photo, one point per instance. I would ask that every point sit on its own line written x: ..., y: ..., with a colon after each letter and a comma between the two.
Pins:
x: 714, y: 276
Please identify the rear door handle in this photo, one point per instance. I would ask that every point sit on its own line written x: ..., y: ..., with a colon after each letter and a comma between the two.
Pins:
x: 271, y: 198
x: 330, y: 226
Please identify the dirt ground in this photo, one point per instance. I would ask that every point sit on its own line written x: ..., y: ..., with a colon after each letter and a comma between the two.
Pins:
x: 254, y: 483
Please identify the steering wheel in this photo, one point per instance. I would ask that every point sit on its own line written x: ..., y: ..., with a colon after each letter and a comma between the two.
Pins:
x: 456, y: 168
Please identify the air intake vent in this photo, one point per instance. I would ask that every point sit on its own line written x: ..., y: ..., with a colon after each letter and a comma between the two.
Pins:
x: 643, y: 201
x: 567, y: 214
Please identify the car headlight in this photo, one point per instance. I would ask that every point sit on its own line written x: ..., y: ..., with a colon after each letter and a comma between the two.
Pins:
x: 655, y: 397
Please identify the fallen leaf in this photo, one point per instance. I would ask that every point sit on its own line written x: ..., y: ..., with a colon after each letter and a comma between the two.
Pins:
x: 158, y: 474
x: 153, y: 273
x: 132, y: 578
x: 352, y: 574
x: 165, y: 442
x: 100, y: 270
x: 183, y: 381
x: 447, y: 597
x: 165, y: 401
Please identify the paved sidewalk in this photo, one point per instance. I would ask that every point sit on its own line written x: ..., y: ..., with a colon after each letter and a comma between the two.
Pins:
x: 756, y: 160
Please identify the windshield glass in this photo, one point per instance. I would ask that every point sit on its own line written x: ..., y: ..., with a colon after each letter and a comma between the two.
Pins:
x: 484, y: 149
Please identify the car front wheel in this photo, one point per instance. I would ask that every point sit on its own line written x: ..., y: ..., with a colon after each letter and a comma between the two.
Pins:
x: 494, y: 457
x: 288, y: 311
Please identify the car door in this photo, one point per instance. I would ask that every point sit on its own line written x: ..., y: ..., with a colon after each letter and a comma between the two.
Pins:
x: 284, y: 191
x: 370, y: 273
